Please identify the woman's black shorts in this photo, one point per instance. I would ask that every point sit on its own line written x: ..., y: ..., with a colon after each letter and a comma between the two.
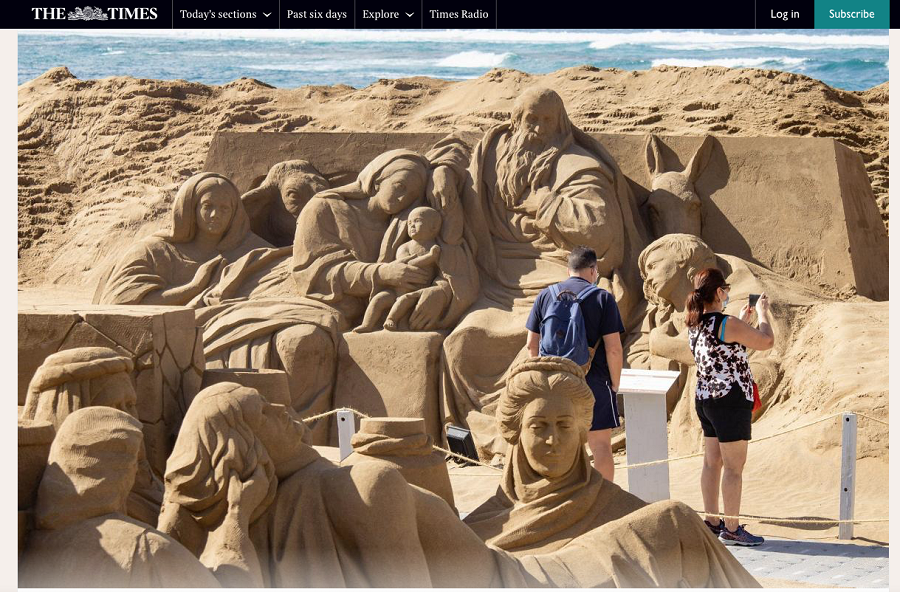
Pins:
x: 726, y: 418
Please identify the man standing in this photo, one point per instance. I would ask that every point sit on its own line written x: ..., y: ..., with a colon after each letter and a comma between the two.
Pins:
x: 603, y: 324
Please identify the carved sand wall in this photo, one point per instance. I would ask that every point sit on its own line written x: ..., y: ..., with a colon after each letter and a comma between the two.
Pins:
x: 801, y: 207
x: 163, y: 341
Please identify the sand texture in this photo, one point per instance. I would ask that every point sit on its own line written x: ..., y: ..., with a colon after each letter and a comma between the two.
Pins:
x: 100, y: 160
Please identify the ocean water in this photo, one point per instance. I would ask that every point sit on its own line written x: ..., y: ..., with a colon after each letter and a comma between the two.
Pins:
x: 846, y: 59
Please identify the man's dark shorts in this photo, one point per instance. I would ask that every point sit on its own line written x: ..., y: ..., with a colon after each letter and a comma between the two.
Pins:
x: 606, y: 410
x: 726, y: 418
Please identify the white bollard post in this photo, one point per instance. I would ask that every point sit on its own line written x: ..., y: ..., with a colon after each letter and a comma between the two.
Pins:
x: 848, y: 474
x: 346, y: 425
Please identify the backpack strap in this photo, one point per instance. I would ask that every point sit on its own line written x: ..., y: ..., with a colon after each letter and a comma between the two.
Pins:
x: 554, y: 291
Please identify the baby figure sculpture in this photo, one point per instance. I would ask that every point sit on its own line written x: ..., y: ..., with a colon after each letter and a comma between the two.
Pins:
x: 422, y: 251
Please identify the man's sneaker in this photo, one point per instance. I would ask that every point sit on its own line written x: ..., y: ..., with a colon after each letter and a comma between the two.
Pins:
x: 740, y: 537
x: 717, y: 529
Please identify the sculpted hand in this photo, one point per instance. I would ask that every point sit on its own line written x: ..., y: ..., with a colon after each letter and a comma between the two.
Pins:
x: 428, y: 311
x: 244, y: 497
x: 441, y: 191
x: 205, y: 272
x: 403, y: 276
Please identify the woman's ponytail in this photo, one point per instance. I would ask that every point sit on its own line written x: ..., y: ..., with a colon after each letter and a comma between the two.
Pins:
x: 694, y: 307
x: 706, y: 283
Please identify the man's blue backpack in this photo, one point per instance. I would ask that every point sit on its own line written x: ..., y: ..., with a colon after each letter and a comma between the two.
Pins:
x: 562, y: 330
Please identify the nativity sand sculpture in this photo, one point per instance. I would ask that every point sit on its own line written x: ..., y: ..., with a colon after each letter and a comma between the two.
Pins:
x: 82, y: 536
x: 83, y: 377
x: 457, y: 243
x: 258, y: 506
x: 539, y: 187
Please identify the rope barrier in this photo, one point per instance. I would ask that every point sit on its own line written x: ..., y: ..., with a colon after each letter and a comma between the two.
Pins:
x: 793, y: 520
x: 633, y: 466
x: 872, y: 418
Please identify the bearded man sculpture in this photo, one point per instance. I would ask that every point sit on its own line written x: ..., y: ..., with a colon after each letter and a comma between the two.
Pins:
x: 539, y: 187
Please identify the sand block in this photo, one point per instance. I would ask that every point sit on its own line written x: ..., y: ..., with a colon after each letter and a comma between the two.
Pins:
x: 161, y: 340
x: 802, y: 207
x: 388, y: 374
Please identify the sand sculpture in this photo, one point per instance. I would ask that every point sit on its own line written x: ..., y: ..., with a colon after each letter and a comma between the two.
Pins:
x: 422, y: 251
x: 211, y: 260
x: 83, y: 377
x: 668, y: 265
x: 274, y: 206
x: 258, y: 506
x: 540, y: 187
x: 672, y: 204
x: 82, y: 537
x: 456, y: 243
x: 402, y: 443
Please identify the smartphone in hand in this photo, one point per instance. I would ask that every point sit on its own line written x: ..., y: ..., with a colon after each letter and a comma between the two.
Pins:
x: 752, y: 300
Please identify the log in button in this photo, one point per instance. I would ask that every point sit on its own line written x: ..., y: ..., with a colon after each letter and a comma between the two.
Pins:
x: 785, y: 14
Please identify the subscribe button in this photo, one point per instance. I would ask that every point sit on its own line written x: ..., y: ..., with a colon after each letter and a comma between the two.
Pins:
x: 850, y: 14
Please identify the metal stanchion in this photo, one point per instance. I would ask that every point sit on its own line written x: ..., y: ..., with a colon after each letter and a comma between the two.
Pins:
x: 848, y: 474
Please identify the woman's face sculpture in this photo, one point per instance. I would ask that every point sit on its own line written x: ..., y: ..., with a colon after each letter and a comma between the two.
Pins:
x: 398, y: 191
x: 215, y: 209
x: 550, y: 436
x: 663, y: 275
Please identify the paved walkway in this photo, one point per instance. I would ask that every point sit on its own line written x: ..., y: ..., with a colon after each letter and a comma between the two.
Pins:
x: 817, y: 563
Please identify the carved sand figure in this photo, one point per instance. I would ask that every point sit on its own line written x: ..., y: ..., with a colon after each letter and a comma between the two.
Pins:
x: 240, y: 466
x: 668, y: 266
x: 422, y: 250
x: 260, y: 507
x: 175, y: 266
x: 551, y: 500
x: 250, y: 312
x: 274, y: 206
x: 82, y: 377
x: 82, y: 537
x: 549, y: 493
x: 673, y: 205
x: 347, y: 239
x: 540, y: 187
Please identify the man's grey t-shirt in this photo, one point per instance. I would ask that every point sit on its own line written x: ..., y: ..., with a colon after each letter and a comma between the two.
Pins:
x: 601, y: 317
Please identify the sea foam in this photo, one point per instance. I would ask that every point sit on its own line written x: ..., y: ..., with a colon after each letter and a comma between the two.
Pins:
x: 474, y: 59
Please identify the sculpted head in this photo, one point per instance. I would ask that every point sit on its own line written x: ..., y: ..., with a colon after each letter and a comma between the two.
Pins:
x: 399, y: 185
x: 539, y: 118
x: 546, y: 409
x: 673, y: 205
x: 81, y: 377
x: 208, y: 204
x: 91, y: 467
x: 216, y: 203
x: 424, y: 224
x: 228, y: 429
x: 668, y: 266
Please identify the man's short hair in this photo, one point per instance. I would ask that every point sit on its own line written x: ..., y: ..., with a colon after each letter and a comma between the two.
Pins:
x: 581, y: 258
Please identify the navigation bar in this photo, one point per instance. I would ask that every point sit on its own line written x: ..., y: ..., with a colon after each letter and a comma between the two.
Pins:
x: 451, y: 14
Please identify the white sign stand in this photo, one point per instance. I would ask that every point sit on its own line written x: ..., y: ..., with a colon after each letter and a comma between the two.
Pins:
x: 646, y: 439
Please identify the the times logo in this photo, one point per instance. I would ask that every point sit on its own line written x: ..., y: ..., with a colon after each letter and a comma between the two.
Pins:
x: 89, y: 13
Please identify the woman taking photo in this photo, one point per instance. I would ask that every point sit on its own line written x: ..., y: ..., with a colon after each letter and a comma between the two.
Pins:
x: 724, y: 401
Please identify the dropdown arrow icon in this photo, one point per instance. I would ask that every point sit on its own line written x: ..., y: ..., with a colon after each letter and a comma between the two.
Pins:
x: 410, y: 13
x: 267, y: 14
